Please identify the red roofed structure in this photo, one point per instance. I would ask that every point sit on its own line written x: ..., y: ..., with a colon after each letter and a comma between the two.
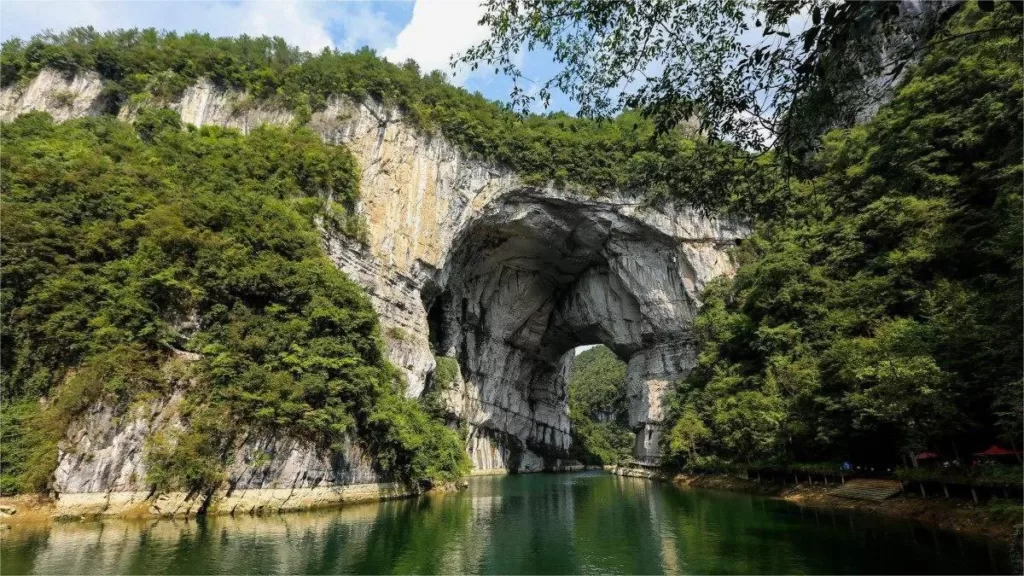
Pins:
x: 994, y: 450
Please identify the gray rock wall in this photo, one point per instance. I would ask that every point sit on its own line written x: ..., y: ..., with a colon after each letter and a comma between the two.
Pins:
x: 539, y: 272
x: 104, y: 451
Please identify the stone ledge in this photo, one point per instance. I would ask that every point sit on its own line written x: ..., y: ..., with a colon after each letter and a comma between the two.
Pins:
x: 631, y: 472
x: 143, y: 504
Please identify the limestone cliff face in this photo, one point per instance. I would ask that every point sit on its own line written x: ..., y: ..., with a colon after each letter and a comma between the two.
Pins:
x: 104, y: 451
x: 463, y: 256
x: 102, y: 467
x: 536, y: 272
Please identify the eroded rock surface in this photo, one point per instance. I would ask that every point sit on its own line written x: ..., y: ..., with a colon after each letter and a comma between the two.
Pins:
x: 537, y: 272
x: 102, y: 467
x: 502, y: 276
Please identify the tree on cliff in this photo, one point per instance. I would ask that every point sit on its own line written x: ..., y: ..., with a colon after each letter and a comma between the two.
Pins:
x: 752, y: 71
x: 146, y: 67
x: 877, y: 307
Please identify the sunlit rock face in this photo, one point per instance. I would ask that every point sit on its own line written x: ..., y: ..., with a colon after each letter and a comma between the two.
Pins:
x: 537, y: 272
x: 102, y: 453
x: 502, y: 276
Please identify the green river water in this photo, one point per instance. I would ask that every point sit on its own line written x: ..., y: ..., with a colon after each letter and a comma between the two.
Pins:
x: 537, y: 523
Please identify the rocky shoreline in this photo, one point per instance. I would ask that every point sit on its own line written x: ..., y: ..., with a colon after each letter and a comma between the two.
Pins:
x: 253, y: 502
x: 137, y: 504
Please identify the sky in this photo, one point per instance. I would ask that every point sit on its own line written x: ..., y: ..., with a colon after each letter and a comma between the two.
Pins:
x: 428, y: 31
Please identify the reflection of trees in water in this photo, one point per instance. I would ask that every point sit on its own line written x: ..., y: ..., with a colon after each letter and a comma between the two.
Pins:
x: 530, y: 521
x: 421, y: 536
x: 730, y: 531
x: 734, y: 533
x: 614, y: 531
x: 425, y: 535
x: 527, y: 524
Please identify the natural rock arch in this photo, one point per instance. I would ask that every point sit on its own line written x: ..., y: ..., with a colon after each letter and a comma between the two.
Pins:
x: 537, y: 273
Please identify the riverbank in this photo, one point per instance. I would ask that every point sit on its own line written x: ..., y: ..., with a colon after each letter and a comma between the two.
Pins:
x: 994, y: 519
x: 30, y: 508
x: 516, y: 524
x: 39, y: 508
x: 558, y: 469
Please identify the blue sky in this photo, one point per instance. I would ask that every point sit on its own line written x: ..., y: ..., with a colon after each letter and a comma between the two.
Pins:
x: 428, y: 31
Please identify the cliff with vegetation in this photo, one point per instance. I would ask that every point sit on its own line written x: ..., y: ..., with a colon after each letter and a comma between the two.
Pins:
x: 243, y: 277
x: 229, y: 273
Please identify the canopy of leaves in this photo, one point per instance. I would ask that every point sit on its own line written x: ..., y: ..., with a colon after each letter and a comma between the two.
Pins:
x: 596, y: 157
x: 144, y: 241
x: 883, y: 315
x: 751, y: 71
x: 598, y: 411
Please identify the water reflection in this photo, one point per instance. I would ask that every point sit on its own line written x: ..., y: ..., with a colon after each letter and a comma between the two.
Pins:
x: 583, y: 523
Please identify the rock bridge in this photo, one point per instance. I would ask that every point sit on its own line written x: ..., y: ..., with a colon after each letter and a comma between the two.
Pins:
x: 535, y: 273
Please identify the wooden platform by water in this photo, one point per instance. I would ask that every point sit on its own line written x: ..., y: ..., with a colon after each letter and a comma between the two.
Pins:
x: 869, y: 489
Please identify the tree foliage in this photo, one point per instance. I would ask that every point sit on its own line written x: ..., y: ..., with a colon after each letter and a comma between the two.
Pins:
x: 126, y: 245
x: 598, y: 411
x: 883, y: 315
x: 753, y: 71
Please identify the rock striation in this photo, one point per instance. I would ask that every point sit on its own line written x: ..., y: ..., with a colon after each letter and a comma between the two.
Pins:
x: 536, y: 272
x: 102, y: 467
x: 464, y: 259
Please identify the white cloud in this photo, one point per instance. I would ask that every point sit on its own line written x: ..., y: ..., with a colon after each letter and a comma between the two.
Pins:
x: 303, y: 24
x: 439, y: 29
x: 363, y: 26
x: 296, y: 22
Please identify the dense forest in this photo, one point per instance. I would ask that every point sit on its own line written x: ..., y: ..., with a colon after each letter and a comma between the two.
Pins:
x: 880, y: 316
x: 598, y: 410
x: 127, y: 247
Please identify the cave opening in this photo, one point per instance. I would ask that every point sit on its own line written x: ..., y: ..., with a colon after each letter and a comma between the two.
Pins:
x: 532, y: 277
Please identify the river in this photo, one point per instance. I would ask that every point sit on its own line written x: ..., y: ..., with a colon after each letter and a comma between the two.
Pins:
x: 538, y: 523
